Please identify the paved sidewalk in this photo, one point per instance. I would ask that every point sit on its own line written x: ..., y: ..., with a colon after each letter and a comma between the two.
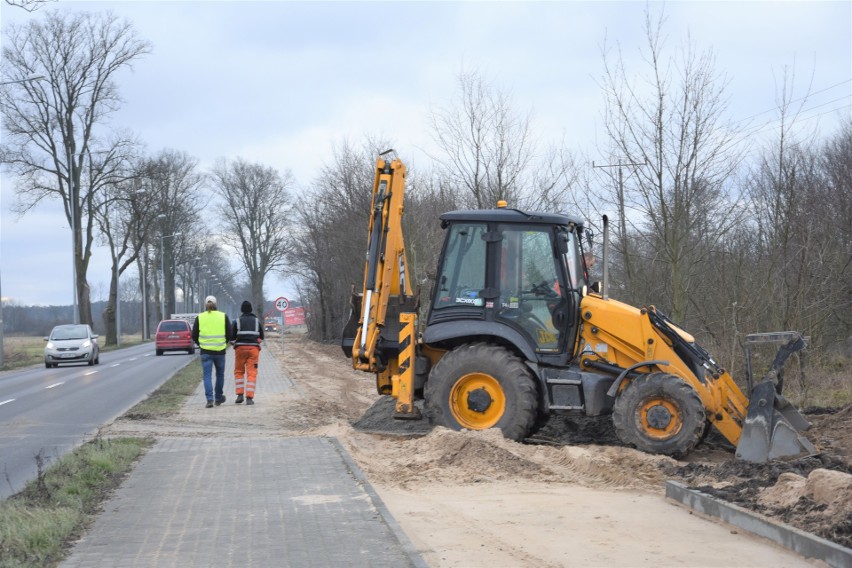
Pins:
x: 237, y: 501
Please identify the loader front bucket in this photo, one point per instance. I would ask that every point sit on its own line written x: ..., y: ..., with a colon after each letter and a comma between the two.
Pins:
x: 772, y: 425
x: 770, y: 432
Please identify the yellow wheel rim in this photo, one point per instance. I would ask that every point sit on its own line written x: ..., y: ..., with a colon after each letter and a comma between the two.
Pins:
x: 477, y: 401
x: 660, y: 418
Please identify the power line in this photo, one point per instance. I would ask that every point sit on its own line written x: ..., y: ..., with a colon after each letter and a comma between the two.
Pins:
x: 796, y: 100
x: 770, y: 125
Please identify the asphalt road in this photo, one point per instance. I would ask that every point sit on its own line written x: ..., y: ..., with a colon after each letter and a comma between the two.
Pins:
x: 48, y: 412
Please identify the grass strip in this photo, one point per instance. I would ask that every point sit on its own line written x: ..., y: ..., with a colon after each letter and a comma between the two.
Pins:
x: 169, y: 398
x: 39, y: 524
x: 63, y: 500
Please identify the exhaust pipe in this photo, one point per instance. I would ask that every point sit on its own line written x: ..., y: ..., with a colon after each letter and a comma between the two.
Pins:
x: 605, y: 259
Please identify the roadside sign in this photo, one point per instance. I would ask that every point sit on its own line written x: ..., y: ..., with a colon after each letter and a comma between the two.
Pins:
x: 282, y: 304
x: 294, y: 316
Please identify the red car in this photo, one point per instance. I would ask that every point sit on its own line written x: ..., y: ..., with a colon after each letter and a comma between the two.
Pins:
x: 174, y: 335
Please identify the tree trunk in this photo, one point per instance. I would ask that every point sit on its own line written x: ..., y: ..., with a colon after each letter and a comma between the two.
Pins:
x: 257, y: 295
x: 109, y: 318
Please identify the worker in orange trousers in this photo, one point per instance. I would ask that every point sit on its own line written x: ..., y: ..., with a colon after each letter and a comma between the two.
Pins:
x: 248, y: 335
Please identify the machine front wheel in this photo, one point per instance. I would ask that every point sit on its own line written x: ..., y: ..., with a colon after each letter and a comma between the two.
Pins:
x: 479, y: 386
x: 660, y: 413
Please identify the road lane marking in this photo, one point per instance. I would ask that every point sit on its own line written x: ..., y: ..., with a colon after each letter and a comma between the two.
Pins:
x: 116, y: 365
x: 133, y: 358
x: 54, y: 385
x: 89, y: 373
x: 7, y: 401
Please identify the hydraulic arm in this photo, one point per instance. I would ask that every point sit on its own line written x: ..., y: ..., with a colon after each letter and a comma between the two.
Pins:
x: 384, y: 339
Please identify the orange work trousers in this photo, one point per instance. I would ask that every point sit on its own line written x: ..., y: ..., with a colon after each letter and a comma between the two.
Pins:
x: 245, y: 369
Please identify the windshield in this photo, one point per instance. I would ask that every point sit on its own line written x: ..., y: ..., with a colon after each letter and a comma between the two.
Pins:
x: 70, y: 332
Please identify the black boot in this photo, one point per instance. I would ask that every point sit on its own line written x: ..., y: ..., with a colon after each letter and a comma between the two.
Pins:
x: 249, y: 401
x: 239, y: 399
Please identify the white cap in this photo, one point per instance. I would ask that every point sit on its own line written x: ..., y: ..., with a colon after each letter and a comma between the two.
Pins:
x: 210, y: 300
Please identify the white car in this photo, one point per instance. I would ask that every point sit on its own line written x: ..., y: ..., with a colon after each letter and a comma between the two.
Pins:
x: 71, y: 343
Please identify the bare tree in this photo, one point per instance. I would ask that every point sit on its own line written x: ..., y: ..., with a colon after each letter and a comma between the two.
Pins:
x: 800, y: 200
x: 172, y: 177
x: 328, y: 253
x: 836, y: 226
x: 28, y: 5
x: 679, y: 207
x: 126, y: 219
x: 53, y: 125
x: 486, y: 151
x: 256, y: 210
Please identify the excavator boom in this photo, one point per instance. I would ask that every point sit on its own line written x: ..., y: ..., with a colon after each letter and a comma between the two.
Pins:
x: 380, y: 334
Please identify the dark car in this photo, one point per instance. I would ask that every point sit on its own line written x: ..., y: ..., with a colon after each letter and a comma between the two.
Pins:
x: 71, y: 343
x: 174, y: 335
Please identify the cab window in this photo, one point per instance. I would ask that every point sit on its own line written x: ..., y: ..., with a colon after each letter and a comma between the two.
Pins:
x: 462, y: 275
x: 530, y: 289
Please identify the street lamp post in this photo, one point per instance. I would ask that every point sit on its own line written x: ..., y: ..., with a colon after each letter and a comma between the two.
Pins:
x: 72, y: 200
x: 145, y: 295
x: 163, y: 275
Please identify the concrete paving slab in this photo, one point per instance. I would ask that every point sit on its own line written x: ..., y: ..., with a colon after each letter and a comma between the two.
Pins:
x: 242, y: 496
x: 194, y: 502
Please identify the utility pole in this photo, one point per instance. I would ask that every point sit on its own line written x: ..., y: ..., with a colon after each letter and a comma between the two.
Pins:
x: 622, y: 214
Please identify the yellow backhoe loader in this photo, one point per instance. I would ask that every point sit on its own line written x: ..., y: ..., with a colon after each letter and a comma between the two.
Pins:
x: 515, y: 331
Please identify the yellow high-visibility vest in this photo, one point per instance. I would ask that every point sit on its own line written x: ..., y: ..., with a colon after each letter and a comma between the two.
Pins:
x: 211, y: 331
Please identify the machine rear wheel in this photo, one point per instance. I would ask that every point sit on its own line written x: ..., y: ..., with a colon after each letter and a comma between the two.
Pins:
x: 659, y: 413
x: 479, y: 386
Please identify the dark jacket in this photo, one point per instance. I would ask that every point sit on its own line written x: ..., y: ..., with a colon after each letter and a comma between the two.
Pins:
x: 247, y: 330
x: 229, y: 334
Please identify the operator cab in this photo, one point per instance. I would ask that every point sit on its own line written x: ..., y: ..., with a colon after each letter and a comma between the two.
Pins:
x: 512, y: 276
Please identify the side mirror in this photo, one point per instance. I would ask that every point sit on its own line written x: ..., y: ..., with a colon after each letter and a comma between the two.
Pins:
x: 596, y: 287
x: 46, y: 338
x: 562, y: 243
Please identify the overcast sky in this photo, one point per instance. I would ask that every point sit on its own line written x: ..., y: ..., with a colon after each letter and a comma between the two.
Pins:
x: 280, y: 82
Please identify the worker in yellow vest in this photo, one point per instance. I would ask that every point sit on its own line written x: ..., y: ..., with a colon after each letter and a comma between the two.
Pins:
x: 212, y: 332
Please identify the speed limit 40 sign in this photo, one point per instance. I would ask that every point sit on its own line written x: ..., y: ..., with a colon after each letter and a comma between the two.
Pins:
x: 282, y: 304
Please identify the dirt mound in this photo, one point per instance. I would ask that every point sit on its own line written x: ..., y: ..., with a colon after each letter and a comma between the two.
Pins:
x: 379, y: 419
x: 447, y: 456
x: 812, y: 493
x: 831, y: 430
x: 822, y: 502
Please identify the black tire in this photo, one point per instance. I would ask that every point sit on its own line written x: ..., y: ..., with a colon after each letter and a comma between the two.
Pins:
x: 48, y: 365
x: 191, y: 350
x: 479, y: 386
x: 92, y: 362
x: 159, y: 352
x: 660, y: 413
